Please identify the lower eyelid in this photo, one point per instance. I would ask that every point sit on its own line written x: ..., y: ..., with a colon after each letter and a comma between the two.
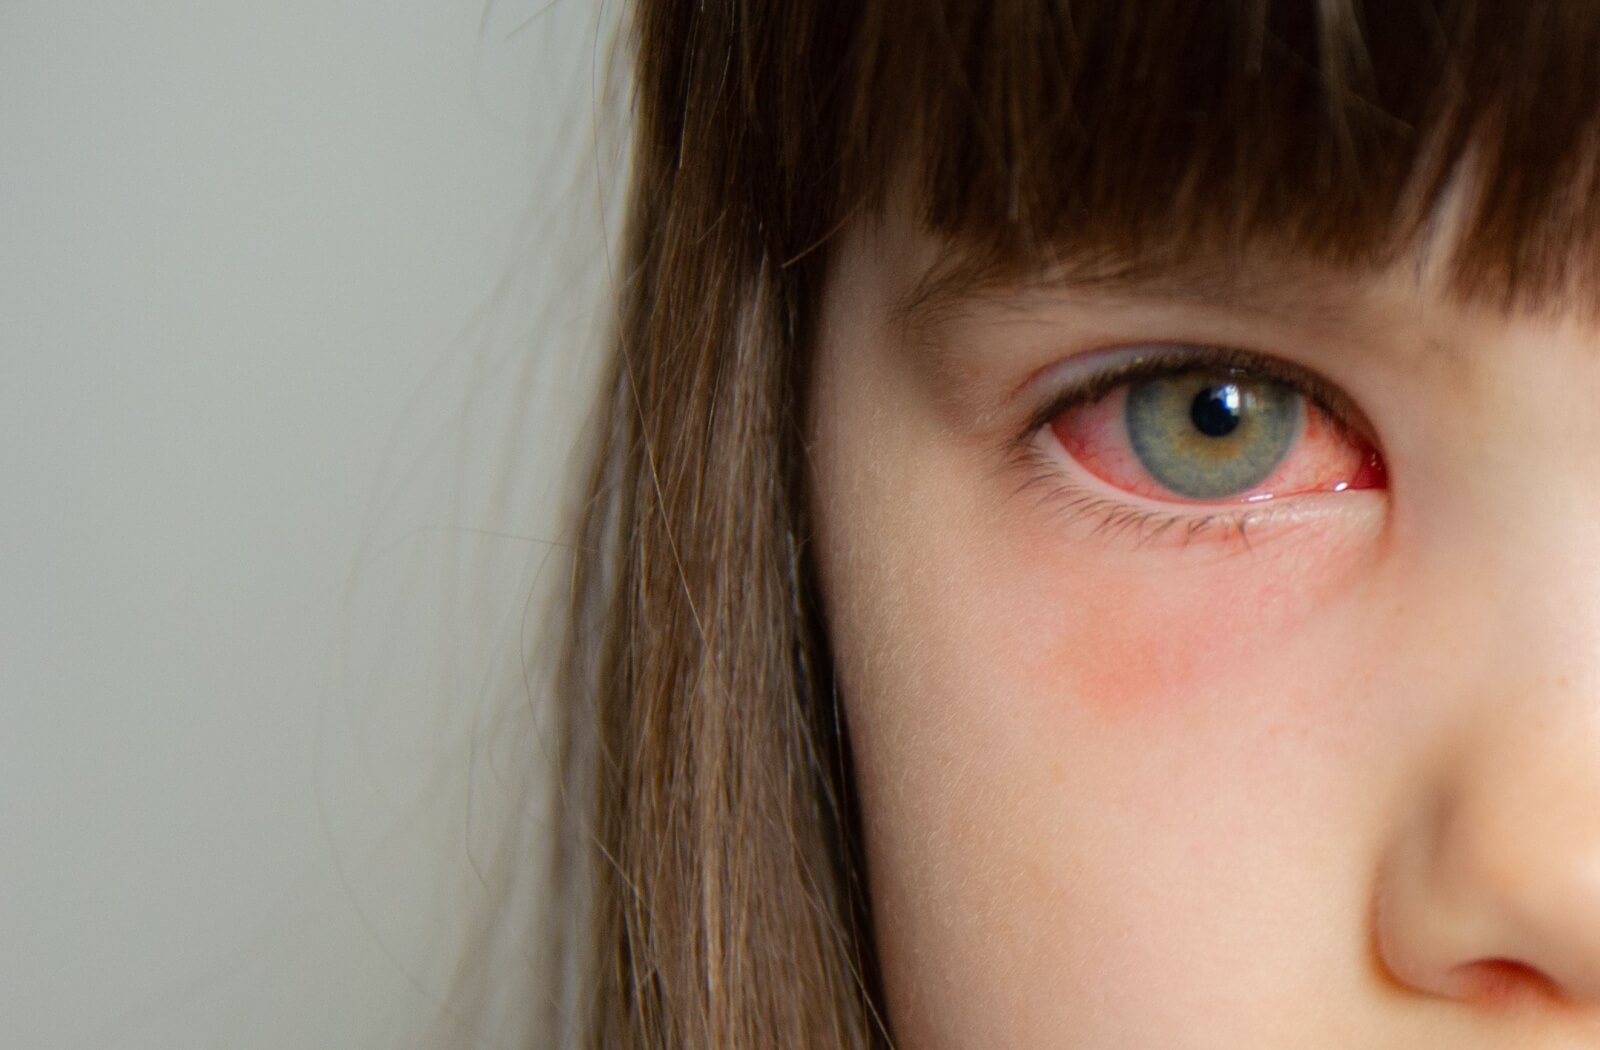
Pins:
x: 1093, y: 510
x: 1051, y: 464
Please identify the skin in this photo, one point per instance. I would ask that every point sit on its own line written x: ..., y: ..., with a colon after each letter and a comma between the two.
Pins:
x: 1337, y: 786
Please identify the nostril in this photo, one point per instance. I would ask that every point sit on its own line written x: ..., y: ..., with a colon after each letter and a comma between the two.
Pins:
x: 1501, y: 982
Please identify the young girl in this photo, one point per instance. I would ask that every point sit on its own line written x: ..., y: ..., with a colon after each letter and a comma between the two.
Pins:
x: 1096, y: 541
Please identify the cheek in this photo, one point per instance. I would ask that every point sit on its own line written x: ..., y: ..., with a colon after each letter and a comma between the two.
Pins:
x: 1126, y: 640
x: 1047, y: 728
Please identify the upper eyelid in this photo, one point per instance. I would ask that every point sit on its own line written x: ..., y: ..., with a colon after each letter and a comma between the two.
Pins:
x: 1154, y: 359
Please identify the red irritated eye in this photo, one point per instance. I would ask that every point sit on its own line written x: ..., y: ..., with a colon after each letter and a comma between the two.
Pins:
x: 1206, y: 435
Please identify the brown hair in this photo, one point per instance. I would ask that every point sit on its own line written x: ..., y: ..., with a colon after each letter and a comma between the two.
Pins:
x: 708, y: 763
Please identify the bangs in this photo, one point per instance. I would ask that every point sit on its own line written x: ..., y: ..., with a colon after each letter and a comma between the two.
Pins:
x: 1032, y: 131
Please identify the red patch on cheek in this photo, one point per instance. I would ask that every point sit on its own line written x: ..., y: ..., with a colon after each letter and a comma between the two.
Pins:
x: 1135, y: 644
x: 1136, y: 641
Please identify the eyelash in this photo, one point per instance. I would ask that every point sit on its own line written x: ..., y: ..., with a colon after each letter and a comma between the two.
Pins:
x: 1115, y: 518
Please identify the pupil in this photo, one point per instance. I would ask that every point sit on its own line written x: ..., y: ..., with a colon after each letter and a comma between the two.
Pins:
x: 1215, y: 410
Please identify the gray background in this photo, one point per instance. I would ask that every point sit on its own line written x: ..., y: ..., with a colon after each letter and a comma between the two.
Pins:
x: 297, y: 309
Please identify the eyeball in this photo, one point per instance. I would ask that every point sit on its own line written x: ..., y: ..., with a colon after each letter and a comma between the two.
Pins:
x: 1209, y: 435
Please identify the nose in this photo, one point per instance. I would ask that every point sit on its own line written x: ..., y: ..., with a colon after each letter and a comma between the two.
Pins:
x: 1489, y: 888
x: 1493, y: 892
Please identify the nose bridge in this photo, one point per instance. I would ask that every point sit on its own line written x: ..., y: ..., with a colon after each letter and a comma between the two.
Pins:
x: 1516, y: 521
x: 1539, y: 583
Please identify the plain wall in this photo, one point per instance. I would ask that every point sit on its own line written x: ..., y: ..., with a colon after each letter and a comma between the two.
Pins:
x: 297, y: 305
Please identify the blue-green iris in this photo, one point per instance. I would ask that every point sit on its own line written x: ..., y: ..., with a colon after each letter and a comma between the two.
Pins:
x: 1209, y: 435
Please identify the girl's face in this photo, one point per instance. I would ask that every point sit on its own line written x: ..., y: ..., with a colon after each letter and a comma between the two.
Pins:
x: 1220, y: 651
